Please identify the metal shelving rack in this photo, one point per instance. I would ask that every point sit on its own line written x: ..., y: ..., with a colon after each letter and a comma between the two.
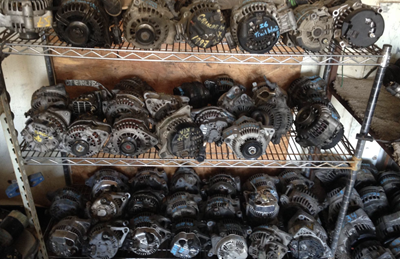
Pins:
x: 284, y: 155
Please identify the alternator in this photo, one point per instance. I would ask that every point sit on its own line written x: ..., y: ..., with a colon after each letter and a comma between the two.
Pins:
x: 104, y: 239
x: 271, y: 108
x: 314, y: 28
x: 222, y: 206
x: 160, y: 106
x: 124, y: 102
x: 183, y: 204
x: 89, y: 103
x: 294, y: 178
x: 86, y: 136
x: 83, y: 23
x: 43, y: 132
x: 107, y: 180
x: 222, y: 183
x: 149, y: 232
x: 147, y: 200
x: 218, y: 86
x: 390, y: 181
x: 65, y: 202
x: 228, y: 239
x: 185, y: 179
x: 375, y: 201
x: 150, y: 178
x: 357, y: 226
x: 188, y: 239
x: 134, y: 85
x: 388, y: 227
x: 371, y: 249
x: 257, y: 25
x: 357, y: 24
x: 335, y: 198
x: 247, y: 138
x: 317, y: 126
x: 309, y: 237
x: 130, y: 136
x: 268, y: 241
x: 202, y: 24
x: 67, y: 236
x: 148, y: 24
x: 212, y: 121
x: 199, y: 94
x: 180, y: 137
x: 236, y: 101
x: 261, y: 198
x: 109, y: 205
x: 329, y: 176
x: 26, y: 17
x: 46, y: 97
x: 301, y: 198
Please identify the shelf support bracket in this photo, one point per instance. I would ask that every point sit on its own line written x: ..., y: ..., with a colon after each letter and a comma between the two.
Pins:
x: 18, y: 165
x: 369, y: 112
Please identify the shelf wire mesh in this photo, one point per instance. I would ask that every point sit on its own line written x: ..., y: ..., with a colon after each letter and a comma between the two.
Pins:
x: 286, y: 154
x: 50, y: 45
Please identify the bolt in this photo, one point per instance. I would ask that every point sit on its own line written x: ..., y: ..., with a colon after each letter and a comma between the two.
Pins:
x: 325, y: 41
x: 303, y: 247
x: 371, y: 35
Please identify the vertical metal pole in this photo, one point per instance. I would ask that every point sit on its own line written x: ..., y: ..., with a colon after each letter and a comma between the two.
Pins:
x: 369, y: 112
x: 52, y: 81
x: 18, y: 166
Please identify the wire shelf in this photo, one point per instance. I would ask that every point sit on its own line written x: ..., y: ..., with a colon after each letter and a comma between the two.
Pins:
x: 286, y: 154
x: 50, y: 45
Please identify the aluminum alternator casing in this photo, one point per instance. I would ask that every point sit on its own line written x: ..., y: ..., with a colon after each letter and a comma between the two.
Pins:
x: 268, y: 241
x: 150, y: 178
x: 329, y: 176
x: 388, y: 227
x: 301, y: 198
x: 314, y: 28
x: 222, y: 206
x: 124, y: 103
x: 107, y: 180
x: 294, y: 178
x: 261, y: 198
x: 104, y: 239
x: 148, y: 24
x: 185, y: 179
x: 130, y: 136
x: 109, y: 205
x: 180, y: 137
x: 48, y: 96
x: 149, y: 231
x: 212, y: 120
x: 67, y: 236
x: 271, y: 108
x: 375, y: 201
x: 257, y: 25
x: 357, y: 24
x: 222, y: 184
x: 26, y: 17
x: 309, y: 237
x: 236, y: 101
x: 147, y: 200
x: 317, y: 125
x: 65, y: 202
x: 44, y: 131
x: 85, y: 136
x: 357, y: 225
x: 160, y: 106
x: 228, y: 239
x: 334, y: 199
x: 202, y: 24
x: 218, y: 86
x: 247, y: 138
x: 188, y: 238
x: 182, y: 205
x: 371, y: 249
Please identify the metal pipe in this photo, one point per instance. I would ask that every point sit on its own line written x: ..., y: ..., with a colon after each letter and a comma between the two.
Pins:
x: 369, y: 112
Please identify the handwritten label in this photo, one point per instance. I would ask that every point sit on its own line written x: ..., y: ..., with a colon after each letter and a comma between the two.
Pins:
x: 266, y: 31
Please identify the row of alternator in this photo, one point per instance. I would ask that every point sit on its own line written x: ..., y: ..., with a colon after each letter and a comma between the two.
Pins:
x: 132, y: 118
x: 266, y: 217
x: 255, y: 25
